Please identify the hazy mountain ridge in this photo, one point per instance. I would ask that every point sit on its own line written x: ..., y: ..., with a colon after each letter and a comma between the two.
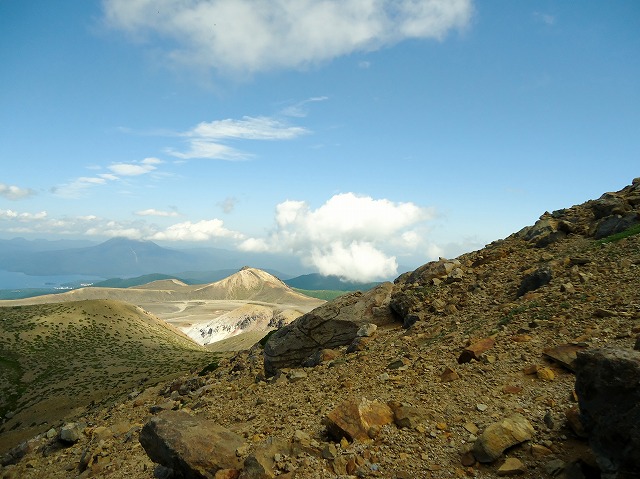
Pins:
x: 125, y: 257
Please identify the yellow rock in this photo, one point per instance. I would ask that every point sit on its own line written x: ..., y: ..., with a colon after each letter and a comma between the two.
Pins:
x: 546, y: 374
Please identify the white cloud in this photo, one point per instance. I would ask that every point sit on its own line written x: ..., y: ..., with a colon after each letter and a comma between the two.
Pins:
x: 246, y: 36
x: 206, y: 140
x: 134, y: 169
x: 77, y: 187
x: 22, y: 217
x: 249, y: 128
x: 348, y: 236
x: 201, y: 231
x: 154, y: 212
x: 12, y: 192
x: 355, y: 261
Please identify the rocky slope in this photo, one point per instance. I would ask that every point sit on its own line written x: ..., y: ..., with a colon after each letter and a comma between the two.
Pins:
x: 462, y: 368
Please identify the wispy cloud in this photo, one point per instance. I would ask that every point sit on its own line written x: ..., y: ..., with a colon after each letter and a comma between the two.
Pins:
x: 207, y: 139
x: 78, y: 187
x: 545, y: 18
x: 228, y: 204
x: 154, y: 212
x: 12, y: 192
x: 134, y: 169
x: 299, y: 109
x: 248, y: 36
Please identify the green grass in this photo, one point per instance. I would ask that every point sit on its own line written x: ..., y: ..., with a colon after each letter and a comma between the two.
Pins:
x: 634, y: 230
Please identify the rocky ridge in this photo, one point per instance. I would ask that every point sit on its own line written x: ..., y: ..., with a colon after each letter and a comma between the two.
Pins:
x: 462, y: 368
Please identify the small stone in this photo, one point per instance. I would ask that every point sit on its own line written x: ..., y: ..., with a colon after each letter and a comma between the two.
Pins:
x: 366, y: 330
x: 511, y: 389
x: 400, y: 364
x: 472, y: 428
x: 538, y: 451
x: 71, y: 432
x: 511, y: 467
x: 531, y: 369
x: 467, y: 459
x: 521, y: 338
x: 546, y: 374
x: 449, y: 375
x: 354, y: 418
x: 296, y: 375
x: 476, y: 350
x: 567, y: 288
x: 554, y: 467
x: 481, y: 407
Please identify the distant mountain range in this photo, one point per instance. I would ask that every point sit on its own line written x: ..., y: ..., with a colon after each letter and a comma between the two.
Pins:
x: 130, y: 263
x: 120, y: 257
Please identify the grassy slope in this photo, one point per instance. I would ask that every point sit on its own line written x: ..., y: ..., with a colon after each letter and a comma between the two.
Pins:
x: 57, y: 357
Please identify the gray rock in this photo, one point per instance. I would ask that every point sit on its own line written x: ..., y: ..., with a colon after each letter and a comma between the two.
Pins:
x: 615, y: 224
x: 608, y: 389
x: 71, y: 433
x: 328, y: 326
x: 535, y: 280
x: 193, y: 447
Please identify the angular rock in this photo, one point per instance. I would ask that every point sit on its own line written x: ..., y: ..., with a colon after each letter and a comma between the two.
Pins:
x: 328, y: 326
x: 564, y: 354
x: 71, y: 433
x: 511, y: 467
x: 476, y: 350
x: 355, y: 419
x: 366, y: 330
x: 535, y: 280
x: 608, y: 389
x: 193, y: 447
x: 449, y: 375
x: 262, y: 463
x: 615, y: 224
x: 501, y: 435
x: 405, y: 415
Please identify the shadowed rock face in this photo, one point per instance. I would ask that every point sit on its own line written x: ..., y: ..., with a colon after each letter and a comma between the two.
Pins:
x: 608, y: 388
x: 193, y: 448
x: 328, y: 326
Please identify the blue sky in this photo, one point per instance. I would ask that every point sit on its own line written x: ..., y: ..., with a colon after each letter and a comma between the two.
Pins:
x: 356, y: 135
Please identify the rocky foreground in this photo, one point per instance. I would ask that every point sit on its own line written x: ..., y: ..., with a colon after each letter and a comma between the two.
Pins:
x: 515, y: 360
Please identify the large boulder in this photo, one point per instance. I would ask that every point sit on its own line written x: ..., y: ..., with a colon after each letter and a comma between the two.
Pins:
x: 193, y: 448
x: 608, y: 389
x: 331, y: 325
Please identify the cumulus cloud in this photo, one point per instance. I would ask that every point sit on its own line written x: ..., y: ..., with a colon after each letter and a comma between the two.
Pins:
x: 200, y: 231
x: 22, y: 217
x: 12, y: 192
x: 247, y: 36
x: 347, y: 236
